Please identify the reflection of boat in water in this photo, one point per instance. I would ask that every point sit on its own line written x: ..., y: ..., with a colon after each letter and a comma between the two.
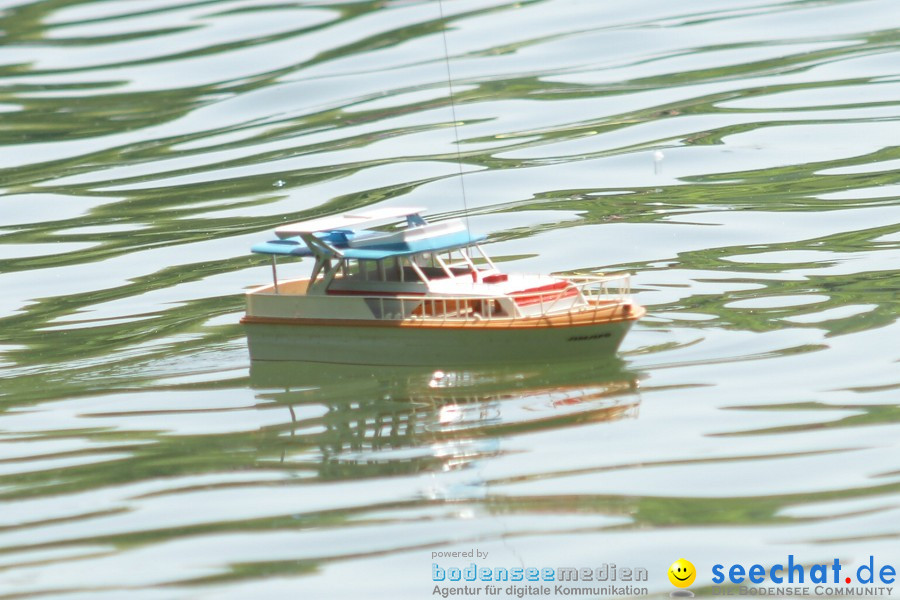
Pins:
x: 424, y: 294
x: 406, y: 420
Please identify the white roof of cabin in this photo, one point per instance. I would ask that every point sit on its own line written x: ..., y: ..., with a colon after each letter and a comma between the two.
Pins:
x: 349, y: 220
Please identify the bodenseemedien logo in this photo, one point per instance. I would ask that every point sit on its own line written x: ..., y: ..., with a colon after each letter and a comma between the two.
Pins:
x: 606, y: 579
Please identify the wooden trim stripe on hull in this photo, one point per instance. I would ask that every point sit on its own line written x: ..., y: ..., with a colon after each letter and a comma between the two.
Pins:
x: 602, y: 314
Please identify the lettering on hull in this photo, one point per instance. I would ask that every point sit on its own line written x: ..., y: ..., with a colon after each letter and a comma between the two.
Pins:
x: 584, y: 338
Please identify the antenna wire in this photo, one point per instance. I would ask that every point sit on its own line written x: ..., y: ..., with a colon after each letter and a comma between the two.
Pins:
x: 462, y: 183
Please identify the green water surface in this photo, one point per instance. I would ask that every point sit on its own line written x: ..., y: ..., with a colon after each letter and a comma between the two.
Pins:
x: 739, y: 157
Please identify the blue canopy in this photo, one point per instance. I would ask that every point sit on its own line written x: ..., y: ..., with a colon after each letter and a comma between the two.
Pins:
x: 340, y: 240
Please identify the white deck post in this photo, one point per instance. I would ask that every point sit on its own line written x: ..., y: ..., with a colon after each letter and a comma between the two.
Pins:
x: 274, y: 274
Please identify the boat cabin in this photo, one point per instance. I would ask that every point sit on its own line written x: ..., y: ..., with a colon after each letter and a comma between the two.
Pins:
x: 418, y: 258
x: 418, y: 269
x: 402, y: 273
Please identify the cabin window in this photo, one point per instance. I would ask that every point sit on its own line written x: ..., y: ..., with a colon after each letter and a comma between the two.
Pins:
x: 454, y: 263
x: 350, y: 269
x: 369, y: 270
x: 393, y: 271
x: 412, y: 271
x: 364, y: 270
x: 426, y: 259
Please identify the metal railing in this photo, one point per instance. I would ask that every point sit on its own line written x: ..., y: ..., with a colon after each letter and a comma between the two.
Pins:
x: 599, y: 285
x: 583, y: 292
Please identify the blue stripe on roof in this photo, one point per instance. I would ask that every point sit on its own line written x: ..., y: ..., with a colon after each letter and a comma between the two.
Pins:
x: 294, y: 246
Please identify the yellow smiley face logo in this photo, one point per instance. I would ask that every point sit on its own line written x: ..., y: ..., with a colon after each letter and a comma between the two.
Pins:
x: 682, y: 573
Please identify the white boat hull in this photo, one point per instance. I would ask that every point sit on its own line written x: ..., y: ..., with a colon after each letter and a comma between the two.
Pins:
x: 437, y: 347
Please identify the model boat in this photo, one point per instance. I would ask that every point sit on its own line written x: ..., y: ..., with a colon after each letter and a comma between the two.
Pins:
x: 421, y: 293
